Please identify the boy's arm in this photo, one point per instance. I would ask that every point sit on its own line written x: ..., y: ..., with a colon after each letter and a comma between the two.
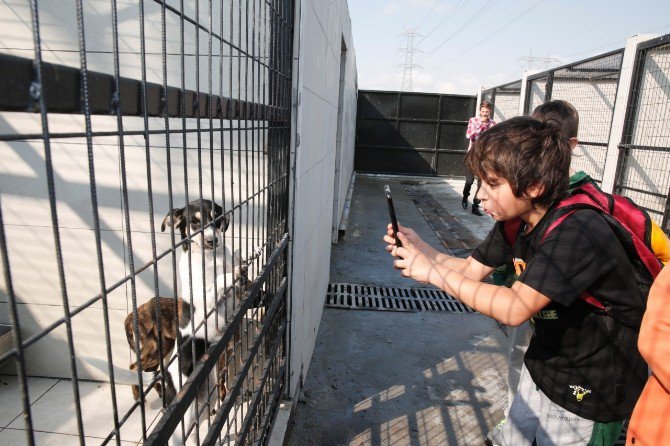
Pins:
x: 469, y: 267
x: 654, y: 340
x: 511, y: 306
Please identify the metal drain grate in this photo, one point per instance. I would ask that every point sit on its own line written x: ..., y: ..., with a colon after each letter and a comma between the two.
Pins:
x: 371, y: 297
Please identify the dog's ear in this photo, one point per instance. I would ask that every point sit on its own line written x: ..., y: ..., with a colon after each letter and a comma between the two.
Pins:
x: 174, y: 219
x: 225, y: 222
x: 217, y: 211
x: 183, y: 313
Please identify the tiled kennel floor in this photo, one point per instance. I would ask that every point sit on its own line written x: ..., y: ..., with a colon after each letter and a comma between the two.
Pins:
x: 53, y: 412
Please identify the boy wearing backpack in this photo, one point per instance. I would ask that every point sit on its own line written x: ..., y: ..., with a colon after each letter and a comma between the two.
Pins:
x: 563, y: 113
x: 582, y: 372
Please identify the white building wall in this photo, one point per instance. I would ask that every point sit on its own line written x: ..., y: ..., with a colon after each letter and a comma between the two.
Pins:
x: 321, y: 27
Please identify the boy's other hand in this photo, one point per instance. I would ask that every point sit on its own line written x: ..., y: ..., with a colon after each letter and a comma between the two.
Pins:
x: 423, y: 255
x: 413, y: 237
x: 411, y: 260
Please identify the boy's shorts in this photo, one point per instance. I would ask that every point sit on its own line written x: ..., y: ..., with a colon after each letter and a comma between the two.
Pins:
x: 534, y: 417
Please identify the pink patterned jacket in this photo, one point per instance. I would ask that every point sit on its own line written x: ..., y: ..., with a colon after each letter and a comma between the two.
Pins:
x: 476, y: 127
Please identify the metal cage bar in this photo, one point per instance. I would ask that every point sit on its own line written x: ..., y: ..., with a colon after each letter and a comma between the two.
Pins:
x: 203, y: 115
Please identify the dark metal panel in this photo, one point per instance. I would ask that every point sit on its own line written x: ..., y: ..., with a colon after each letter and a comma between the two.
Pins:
x: 373, y: 104
x: 408, y: 143
x: 414, y: 106
x: 458, y: 108
x: 451, y: 163
x: 379, y: 133
x: 452, y: 137
x: 415, y: 162
x: 417, y: 134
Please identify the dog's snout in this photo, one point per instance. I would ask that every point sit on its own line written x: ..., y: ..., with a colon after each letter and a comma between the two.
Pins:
x: 210, y: 242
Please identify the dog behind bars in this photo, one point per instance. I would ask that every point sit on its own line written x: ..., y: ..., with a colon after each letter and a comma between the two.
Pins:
x: 213, y: 278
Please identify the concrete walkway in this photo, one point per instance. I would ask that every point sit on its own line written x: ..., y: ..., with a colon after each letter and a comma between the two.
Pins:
x: 389, y: 378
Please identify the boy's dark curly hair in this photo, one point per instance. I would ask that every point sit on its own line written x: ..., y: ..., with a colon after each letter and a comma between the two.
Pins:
x: 525, y: 152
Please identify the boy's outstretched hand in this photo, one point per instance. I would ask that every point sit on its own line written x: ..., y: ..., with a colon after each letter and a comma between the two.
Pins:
x: 415, y: 258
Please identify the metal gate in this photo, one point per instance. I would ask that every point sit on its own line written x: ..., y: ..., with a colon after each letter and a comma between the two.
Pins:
x: 114, y: 116
x: 643, y: 170
x: 412, y: 133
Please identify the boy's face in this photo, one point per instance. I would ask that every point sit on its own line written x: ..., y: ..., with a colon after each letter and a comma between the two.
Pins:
x: 484, y: 113
x: 499, y: 201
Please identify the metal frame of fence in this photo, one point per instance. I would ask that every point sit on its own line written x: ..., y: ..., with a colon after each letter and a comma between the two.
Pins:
x: 643, y: 169
x: 248, y: 114
x: 507, y: 108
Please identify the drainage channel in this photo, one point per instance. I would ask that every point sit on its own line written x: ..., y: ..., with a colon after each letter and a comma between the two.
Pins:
x: 370, y: 297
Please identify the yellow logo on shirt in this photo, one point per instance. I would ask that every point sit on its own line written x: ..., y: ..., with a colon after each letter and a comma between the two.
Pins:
x: 519, y: 266
x: 546, y: 314
x: 579, y: 392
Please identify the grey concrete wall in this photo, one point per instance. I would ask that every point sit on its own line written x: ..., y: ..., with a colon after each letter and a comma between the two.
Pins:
x: 321, y: 27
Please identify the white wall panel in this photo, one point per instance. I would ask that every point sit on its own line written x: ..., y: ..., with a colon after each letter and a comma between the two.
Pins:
x: 322, y: 26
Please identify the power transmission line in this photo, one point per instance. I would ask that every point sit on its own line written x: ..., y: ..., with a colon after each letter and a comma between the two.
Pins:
x: 445, y: 18
x: 469, y: 22
x: 489, y: 35
x: 428, y: 14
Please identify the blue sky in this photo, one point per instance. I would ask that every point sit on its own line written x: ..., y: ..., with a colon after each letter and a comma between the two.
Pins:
x: 468, y: 43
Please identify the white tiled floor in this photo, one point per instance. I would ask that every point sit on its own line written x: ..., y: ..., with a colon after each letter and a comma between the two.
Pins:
x: 53, y: 412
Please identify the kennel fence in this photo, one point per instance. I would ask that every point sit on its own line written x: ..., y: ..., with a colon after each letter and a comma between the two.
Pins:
x: 113, y: 114
x: 594, y: 86
x: 590, y: 85
x: 643, y: 170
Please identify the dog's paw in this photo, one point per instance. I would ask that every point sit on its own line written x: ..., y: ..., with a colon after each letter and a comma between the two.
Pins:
x: 257, y: 252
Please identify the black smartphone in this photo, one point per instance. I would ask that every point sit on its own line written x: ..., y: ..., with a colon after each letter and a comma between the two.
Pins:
x: 394, y: 221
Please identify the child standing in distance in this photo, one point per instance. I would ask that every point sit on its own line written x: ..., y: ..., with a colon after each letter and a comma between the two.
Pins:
x: 566, y: 389
x: 476, y: 126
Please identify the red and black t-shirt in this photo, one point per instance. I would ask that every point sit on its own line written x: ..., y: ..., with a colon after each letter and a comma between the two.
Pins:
x: 572, y: 354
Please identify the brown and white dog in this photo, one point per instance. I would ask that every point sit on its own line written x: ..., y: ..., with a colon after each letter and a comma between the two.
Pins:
x: 148, y: 334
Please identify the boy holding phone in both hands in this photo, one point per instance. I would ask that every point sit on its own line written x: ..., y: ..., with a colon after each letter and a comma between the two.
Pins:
x: 566, y: 390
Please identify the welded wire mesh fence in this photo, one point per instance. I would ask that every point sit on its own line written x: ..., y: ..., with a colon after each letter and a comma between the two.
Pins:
x: 644, y: 158
x: 591, y: 87
x: 143, y: 216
